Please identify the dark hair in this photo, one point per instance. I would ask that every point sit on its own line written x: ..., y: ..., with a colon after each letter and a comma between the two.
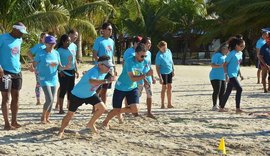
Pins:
x: 222, y: 46
x: 140, y: 47
x: 105, y: 25
x: 72, y: 31
x: 103, y: 58
x: 62, y: 39
x: 145, y: 39
x: 42, y: 34
x: 234, y: 41
x: 136, y: 39
x: 240, y: 36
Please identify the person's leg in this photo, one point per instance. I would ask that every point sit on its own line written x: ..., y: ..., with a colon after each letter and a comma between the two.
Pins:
x: 216, y: 87
x: 239, y: 89
x: 64, y: 82
x: 14, y: 107
x: 222, y: 90
x: 103, y: 95
x: 264, y: 75
x: 57, y: 96
x: 259, y: 71
x: 37, y: 88
x: 226, y: 96
x: 169, y: 95
x: 65, y: 123
x: 5, y: 110
x: 268, y: 81
x: 100, y: 108
x: 53, y: 90
x: 48, y: 100
x: 163, y: 90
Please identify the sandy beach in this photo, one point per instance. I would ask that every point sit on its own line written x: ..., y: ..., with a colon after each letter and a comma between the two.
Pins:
x: 191, y: 128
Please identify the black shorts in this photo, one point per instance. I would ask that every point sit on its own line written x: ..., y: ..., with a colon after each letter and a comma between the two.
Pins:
x: 167, y: 78
x: 131, y: 96
x: 76, y: 102
x: 10, y: 81
x: 66, y: 82
x: 107, y: 85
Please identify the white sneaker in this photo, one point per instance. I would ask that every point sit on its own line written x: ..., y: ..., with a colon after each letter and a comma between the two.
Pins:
x: 215, y: 108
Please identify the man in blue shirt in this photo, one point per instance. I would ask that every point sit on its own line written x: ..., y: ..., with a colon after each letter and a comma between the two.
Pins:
x: 104, y: 45
x: 135, y: 69
x: 259, y: 44
x: 85, y: 92
x: 264, y: 58
x: 10, y: 72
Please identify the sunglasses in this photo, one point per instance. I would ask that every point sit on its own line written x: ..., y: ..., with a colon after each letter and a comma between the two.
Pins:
x: 143, y: 56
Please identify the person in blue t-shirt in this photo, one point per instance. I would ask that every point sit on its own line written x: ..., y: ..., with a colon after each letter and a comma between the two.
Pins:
x: 259, y: 44
x: 85, y: 92
x: 47, y: 62
x: 147, y: 83
x: 264, y: 58
x: 104, y: 45
x: 231, y: 70
x: 10, y: 73
x: 135, y: 69
x: 165, y: 71
x: 217, y: 76
x: 73, y: 35
x: 31, y: 55
x: 66, y: 77
x: 131, y: 51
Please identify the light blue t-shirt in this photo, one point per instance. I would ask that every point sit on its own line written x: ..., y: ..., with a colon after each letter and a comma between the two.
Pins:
x: 129, y: 52
x: 260, y: 43
x: 233, y: 61
x: 73, y: 48
x: 165, y: 62
x: 104, y: 46
x: 217, y: 73
x: 65, y: 56
x: 124, y: 82
x: 47, y: 73
x: 83, y: 89
x: 10, y: 49
x: 148, y: 60
x: 37, y: 48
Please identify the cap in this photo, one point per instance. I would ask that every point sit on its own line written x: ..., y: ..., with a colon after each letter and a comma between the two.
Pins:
x: 137, y: 39
x: 21, y: 28
x: 107, y: 63
x: 50, y: 39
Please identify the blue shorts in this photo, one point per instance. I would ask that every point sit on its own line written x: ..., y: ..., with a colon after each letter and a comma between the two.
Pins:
x: 131, y: 96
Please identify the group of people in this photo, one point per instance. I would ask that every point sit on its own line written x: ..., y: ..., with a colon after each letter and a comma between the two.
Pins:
x: 225, y: 65
x: 52, y: 62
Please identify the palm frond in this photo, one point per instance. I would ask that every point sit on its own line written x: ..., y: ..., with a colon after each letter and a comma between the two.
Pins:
x: 86, y: 28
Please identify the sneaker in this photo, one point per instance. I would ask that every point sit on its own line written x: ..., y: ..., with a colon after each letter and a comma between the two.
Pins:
x: 215, y: 108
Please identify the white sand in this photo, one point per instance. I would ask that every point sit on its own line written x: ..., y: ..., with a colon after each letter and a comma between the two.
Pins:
x: 189, y: 129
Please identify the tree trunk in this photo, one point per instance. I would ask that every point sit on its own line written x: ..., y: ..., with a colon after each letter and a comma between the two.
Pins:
x: 79, y: 45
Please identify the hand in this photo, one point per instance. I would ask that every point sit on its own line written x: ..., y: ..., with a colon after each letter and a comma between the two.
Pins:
x: 84, y: 72
x: 77, y: 75
x: 112, y: 78
x: 1, y: 72
x: 173, y: 74
x: 161, y: 81
x: 227, y: 78
x: 31, y: 68
x: 53, y: 64
x: 66, y: 67
x: 115, y: 73
x: 242, y: 77
x: 154, y: 80
x: 149, y: 73
x: 62, y: 74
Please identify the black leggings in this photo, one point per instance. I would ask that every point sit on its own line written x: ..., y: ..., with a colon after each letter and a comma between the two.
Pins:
x: 219, y: 89
x: 233, y: 82
x: 66, y: 83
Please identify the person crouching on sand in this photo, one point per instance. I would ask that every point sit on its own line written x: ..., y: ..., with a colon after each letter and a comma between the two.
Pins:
x: 85, y: 92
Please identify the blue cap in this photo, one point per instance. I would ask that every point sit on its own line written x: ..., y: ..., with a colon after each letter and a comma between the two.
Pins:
x: 50, y: 39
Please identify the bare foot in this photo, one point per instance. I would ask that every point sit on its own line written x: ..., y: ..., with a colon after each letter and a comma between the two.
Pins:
x: 105, y: 125
x: 16, y: 125
x: 38, y: 103
x: 9, y: 127
x: 150, y: 115
x: 93, y: 128
x: 239, y: 111
x: 120, y: 119
x: 162, y: 106
x: 223, y: 110
x: 48, y: 121
x: 61, y: 135
x: 61, y: 112
x: 170, y: 106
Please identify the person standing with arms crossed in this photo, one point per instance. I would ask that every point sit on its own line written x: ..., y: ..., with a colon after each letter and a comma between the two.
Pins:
x: 165, y: 71
x: 104, y: 45
x: 10, y: 73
